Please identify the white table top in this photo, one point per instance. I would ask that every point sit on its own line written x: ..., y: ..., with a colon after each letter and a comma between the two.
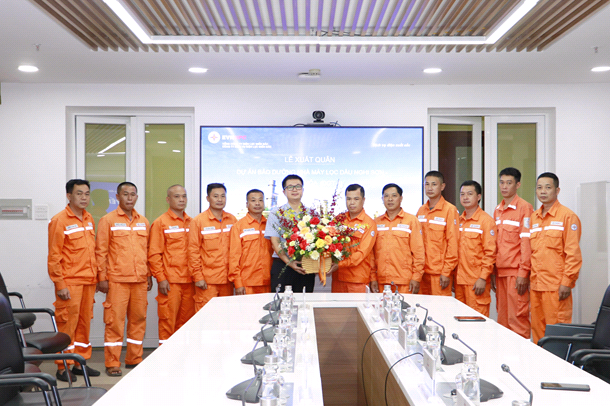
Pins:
x: 201, y: 361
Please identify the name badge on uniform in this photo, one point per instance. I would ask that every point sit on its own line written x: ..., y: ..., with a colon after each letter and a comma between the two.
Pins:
x: 361, y: 230
x: 475, y: 226
x: 441, y: 219
x: 229, y: 226
x: 174, y: 227
x: 140, y: 224
x: 91, y: 224
x: 70, y: 227
x: 120, y: 224
x: 559, y: 223
x: 249, y: 229
x: 380, y: 225
x: 402, y: 226
x: 421, y: 217
x: 209, y: 228
x: 535, y: 226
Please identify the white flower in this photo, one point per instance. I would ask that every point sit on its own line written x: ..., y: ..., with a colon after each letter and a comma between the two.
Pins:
x: 338, y: 254
x: 325, y: 229
x: 325, y: 221
x: 311, y: 247
x: 315, y: 255
x: 309, y: 237
x: 307, y: 218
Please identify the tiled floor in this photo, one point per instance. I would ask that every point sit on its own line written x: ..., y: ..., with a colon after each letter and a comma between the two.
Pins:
x: 97, y: 362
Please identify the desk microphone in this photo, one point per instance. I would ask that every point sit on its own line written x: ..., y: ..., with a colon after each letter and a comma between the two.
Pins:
x: 267, y: 334
x: 422, y: 327
x: 449, y: 356
x: 507, y: 369
x: 455, y: 336
x: 247, y: 391
x: 257, y: 356
x: 274, y: 305
x: 403, y: 304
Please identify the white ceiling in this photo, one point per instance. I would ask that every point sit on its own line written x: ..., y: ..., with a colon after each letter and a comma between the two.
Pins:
x: 62, y: 58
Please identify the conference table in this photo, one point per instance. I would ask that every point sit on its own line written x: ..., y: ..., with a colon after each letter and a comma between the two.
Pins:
x: 201, y: 361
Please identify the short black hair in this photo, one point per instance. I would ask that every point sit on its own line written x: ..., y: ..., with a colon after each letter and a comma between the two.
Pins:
x: 76, y: 182
x: 355, y: 187
x: 477, y: 186
x: 125, y: 183
x: 437, y: 174
x: 396, y: 186
x: 212, y: 186
x: 550, y: 175
x: 254, y: 190
x: 511, y: 171
x: 291, y: 177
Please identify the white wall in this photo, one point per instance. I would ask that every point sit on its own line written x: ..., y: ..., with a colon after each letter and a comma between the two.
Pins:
x: 33, y: 138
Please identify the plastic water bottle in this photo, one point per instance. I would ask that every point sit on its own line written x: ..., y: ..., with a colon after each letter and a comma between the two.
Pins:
x: 272, y: 383
x: 433, y: 344
x: 387, y: 296
x: 471, y: 382
x: 279, y: 346
x: 287, y: 299
x: 410, y: 325
x: 395, y: 318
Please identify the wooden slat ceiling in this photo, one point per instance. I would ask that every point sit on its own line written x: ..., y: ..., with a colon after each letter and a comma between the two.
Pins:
x: 94, y: 23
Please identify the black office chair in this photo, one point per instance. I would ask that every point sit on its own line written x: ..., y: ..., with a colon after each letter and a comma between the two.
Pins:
x: 23, y: 320
x: 12, y: 375
x: 593, y: 353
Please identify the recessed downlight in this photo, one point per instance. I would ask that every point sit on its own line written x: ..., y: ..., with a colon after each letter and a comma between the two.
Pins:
x: 27, y: 68
x: 600, y: 69
x: 432, y: 70
x: 198, y: 70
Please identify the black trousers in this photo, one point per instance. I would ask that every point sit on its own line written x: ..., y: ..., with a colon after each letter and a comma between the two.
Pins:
x: 290, y: 277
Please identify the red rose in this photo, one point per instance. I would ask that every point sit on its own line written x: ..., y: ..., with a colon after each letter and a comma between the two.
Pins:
x: 332, y: 248
x: 291, y: 251
x: 332, y: 223
x: 340, y: 247
x: 294, y: 237
x: 303, y: 244
x: 314, y: 221
x: 295, y: 229
x: 321, y: 234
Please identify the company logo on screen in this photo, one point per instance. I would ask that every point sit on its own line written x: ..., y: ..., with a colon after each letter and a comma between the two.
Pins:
x: 214, y: 137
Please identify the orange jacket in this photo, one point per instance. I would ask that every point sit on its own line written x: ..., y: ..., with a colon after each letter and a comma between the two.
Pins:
x: 122, y: 247
x: 440, y: 229
x: 250, y: 253
x: 513, y: 242
x: 556, y: 257
x: 208, y: 247
x: 399, y: 249
x: 477, y: 247
x: 71, y: 259
x: 167, y: 249
x: 357, y: 268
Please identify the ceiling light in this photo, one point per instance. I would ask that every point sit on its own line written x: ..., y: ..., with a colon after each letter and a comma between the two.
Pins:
x: 27, y: 68
x: 197, y: 70
x: 513, y: 18
x: 600, y: 69
x: 432, y: 70
x: 162, y: 142
x: 176, y: 151
x: 128, y: 19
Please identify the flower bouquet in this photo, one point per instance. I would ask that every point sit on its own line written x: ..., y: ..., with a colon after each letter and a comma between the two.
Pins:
x: 316, y: 237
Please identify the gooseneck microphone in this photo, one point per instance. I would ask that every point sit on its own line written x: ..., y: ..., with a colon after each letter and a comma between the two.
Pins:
x: 449, y: 356
x: 455, y: 336
x: 506, y: 368
x: 422, y: 327
x: 443, y: 327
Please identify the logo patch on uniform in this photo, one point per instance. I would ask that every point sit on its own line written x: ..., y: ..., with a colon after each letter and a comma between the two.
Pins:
x: 557, y: 223
x: 71, y: 227
x: 492, y: 233
x: 209, y: 228
x: 372, y: 233
x: 174, y: 227
x: 249, y: 229
x: 526, y: 222
x: 574, y: 227
x: 441, y: 219
x: 120, y: 224
x: 402, y: 226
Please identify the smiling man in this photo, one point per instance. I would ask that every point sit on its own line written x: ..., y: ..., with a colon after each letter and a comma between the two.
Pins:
x: 556, y: 257
x: 208, y: 248
x: 122, y: 260
x: 354, y: 273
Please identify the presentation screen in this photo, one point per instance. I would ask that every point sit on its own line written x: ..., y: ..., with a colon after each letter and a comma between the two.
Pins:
x: 327, y: 158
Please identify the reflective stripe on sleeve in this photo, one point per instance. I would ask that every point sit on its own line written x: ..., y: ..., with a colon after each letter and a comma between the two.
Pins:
x: 74, y: 230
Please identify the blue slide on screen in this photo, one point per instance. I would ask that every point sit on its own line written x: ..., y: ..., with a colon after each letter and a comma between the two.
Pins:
x: 243, y: 158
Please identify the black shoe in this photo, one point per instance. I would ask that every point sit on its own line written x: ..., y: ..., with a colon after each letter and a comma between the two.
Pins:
x: 131, y: 365
x: 64, y: 376
x: 90, y: 371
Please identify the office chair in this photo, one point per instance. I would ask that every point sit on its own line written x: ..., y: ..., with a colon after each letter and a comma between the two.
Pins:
x: 23, y: 320
x: 593, y: 354
x: 12, y: 375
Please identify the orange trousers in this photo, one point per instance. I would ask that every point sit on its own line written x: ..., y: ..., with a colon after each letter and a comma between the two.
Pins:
x: 73, y: 317
x: 204, y: 296
x: 401, y: 288
x: 548, y: 309
x: 465, y: 294
x: 513, y: 309
x: 347, y: 287
x: 175, y: 308
x: 431, y: 285
x: 124, y: 300
x: 253, y: 290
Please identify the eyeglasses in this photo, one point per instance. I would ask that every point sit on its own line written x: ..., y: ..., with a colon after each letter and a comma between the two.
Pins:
x: 298, y: 187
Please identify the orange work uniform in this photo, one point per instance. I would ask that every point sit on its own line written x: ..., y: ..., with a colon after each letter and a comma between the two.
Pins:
x: 476, y: 258
x: 512, y: 261
x: 440, y: 230
x: 208, y: 255
x: 399, y: 250
x: 121, y: 253
x: 556, y: 261
x: 355, y: 273
x: 168, y: 261
x: 250, y: 255
x: 71, y: 264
